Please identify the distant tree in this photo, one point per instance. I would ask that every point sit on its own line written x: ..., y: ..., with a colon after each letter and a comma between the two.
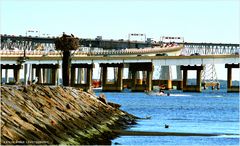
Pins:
x: 66, y: 44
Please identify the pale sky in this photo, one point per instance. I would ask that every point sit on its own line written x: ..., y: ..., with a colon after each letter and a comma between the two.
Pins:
x: 195, y: 20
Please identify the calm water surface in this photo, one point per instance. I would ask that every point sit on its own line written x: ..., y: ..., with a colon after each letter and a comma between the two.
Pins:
x: 207, y: 112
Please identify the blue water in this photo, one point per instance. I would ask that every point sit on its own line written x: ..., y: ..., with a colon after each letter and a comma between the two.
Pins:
x: 206, y: 112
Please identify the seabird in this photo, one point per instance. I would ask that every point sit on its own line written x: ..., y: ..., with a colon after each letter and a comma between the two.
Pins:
x: 166, y: 126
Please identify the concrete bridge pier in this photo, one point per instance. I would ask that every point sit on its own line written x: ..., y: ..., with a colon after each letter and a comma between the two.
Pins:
x: 28, y: 74
x: 6, y: 76
x: 230, y: 87
x: 46, y: 73
x: 134, y: 68
x: 81, y: 76
x: 178, y: 83
x: 117, y: 85
x: 165, y: 77
x: 191, y: 88
x: 16, y: 72
x: 128, y: 80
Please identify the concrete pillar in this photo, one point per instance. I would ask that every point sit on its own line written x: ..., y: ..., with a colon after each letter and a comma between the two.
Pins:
x: 73, y: 73
x: 129, y: 75
x: 179, y: 72
x: 230, y: 87
x: 179, y: 82
x: 49, y: 75
x: 57, y: 77
x: 104, y: 76
x: 1, y: 75
x: 89, y: 78
x: 39, y: 75
x: 119, y: 78
x: 6, y: 76
x: 199, y: 89
x: 33, y: 73
x: 84, y: 76
x: 229, y: 77
x: 134, y: 80
x: 166, y: 77
x: 185, y: 76
x: 115, y: 71
x: 149, y: 81
x: 54, y: 76
x: 44, y: 74
x: 30, y: 73
x: 79, y: 70
x: 25, y: 73
x: 165, y: 73
x: 101, y: 75
x: 16, y: 73
x: 144, y: 77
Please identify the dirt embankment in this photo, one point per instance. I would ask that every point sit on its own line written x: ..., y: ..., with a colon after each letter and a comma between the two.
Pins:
x: 57, y: 115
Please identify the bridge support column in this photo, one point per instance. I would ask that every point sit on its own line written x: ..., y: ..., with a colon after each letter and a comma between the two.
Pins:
x: 49, y: 75
x: 6, y: 76
x: 16, y: 71
x: 1, y: 76
x: 230, y: 87
x: 191, y: 88
x: 134, y: 68
x: 178, y: 83
x: 88, y: 84
x: 30, y: 74
x: 79, y: 71
x: 128, y: 80
x: 166, y: 78
x: 54, y: 76
x: 26, y: 73
x: 117, y: 85
x: 38, y: 74
x: 46, y: 73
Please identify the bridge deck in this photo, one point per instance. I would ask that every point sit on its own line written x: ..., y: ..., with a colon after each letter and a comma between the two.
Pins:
x: 161, y: 60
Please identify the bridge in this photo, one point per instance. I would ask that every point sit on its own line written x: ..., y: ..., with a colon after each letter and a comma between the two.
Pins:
x: 38, y: 55
x: 87, y: 45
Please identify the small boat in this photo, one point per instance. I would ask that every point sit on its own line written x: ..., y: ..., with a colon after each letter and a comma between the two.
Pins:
x: 156, y: 93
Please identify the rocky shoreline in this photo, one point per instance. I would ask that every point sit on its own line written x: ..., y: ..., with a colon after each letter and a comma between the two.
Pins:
x: 58, y: 115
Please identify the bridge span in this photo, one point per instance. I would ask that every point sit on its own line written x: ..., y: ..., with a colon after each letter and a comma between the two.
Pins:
x: 158, y: 60
x: 40, y: 60
x: 88, y: 45
x: 45, y: 68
